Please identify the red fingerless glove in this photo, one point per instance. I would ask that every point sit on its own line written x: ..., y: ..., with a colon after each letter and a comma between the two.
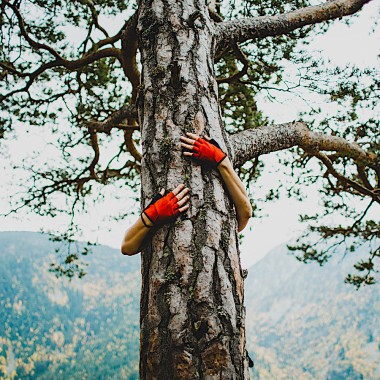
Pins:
x: 208, y: 151
x: 162, y: 208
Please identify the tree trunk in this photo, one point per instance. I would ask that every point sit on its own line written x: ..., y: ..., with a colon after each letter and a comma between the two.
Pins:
x: 192, y: 314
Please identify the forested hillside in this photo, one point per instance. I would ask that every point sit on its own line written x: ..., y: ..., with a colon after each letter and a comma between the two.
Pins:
x: 303, y: 321
x: 88, y: 328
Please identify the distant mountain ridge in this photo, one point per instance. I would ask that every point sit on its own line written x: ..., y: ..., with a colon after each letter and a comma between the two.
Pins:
x: 87, y: 328
x: 303, y: 322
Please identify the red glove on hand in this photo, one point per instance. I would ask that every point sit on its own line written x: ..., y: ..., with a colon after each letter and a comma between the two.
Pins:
x: 162, y: 208
x: 208, y: 151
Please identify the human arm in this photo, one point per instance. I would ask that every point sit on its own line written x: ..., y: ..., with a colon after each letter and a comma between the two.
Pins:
x: 237, y: 192
x: 135, y: 235
x: 207, y: 152
x: 161, y: 211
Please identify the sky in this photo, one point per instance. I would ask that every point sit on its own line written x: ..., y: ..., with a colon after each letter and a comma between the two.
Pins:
x: 341, y: 44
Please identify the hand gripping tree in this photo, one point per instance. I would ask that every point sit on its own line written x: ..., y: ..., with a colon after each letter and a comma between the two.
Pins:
x: 197, y: 73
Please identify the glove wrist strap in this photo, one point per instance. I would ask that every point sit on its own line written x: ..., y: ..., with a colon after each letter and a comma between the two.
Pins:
x: 220, y: 161
x: 144, y: 222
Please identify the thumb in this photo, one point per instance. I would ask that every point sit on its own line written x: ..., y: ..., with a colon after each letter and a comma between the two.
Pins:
x: 162, y: 192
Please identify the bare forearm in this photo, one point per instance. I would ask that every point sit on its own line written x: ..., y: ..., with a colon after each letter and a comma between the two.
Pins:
x: 237, y: 192
x: 134, y: 237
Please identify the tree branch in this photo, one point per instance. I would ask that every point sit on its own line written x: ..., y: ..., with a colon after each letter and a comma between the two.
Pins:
x: 240, y: 30
x: 129, y: 143
x: 346, y: 181
x: 95, y: 146
x: 70, y: 65
x: 113, y: 39
x: 114, y: 120
x: 128, y: 56
x: 9, y: 68
x: 363, y: 176
x: 240, y: 55
x: 89, y: 57
x: 94, y: 15
x: 34, y: 44
x: 251, y: 143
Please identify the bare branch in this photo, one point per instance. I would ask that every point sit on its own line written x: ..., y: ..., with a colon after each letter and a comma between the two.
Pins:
x: 94, y: 15
x: 70, y: 65
x: 25, y: 34
x: 240, y: 55
x: 244, y: 29
x: 129, y: 24
x: 95, y: 160
x: 254, y: 142
x: 127, y: 113
x: 363, y: 176
x: 113, y: 39
x: 9, y: 68
x: 251, y: 143
x: 128, y: 56
x: 129, y: 143
x: 346, y: 181
x: 115, y: 120
x: 215, y: 16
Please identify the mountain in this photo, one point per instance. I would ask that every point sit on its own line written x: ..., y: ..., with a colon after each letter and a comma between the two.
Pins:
x: 54, y: 328
x: 303, y: 322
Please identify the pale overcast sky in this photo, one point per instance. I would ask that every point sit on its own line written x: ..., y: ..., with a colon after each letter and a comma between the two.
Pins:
x: 341, y: 44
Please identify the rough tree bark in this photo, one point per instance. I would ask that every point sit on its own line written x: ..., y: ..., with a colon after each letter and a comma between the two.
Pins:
x: 192, y: 314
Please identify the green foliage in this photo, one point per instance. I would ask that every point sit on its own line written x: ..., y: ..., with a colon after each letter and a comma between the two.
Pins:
x: 62, y: 100
x: 70, y: 265
x: 356, y: 118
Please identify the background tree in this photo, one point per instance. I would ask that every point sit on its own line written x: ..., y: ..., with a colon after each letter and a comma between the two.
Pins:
x: 201, y: 66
